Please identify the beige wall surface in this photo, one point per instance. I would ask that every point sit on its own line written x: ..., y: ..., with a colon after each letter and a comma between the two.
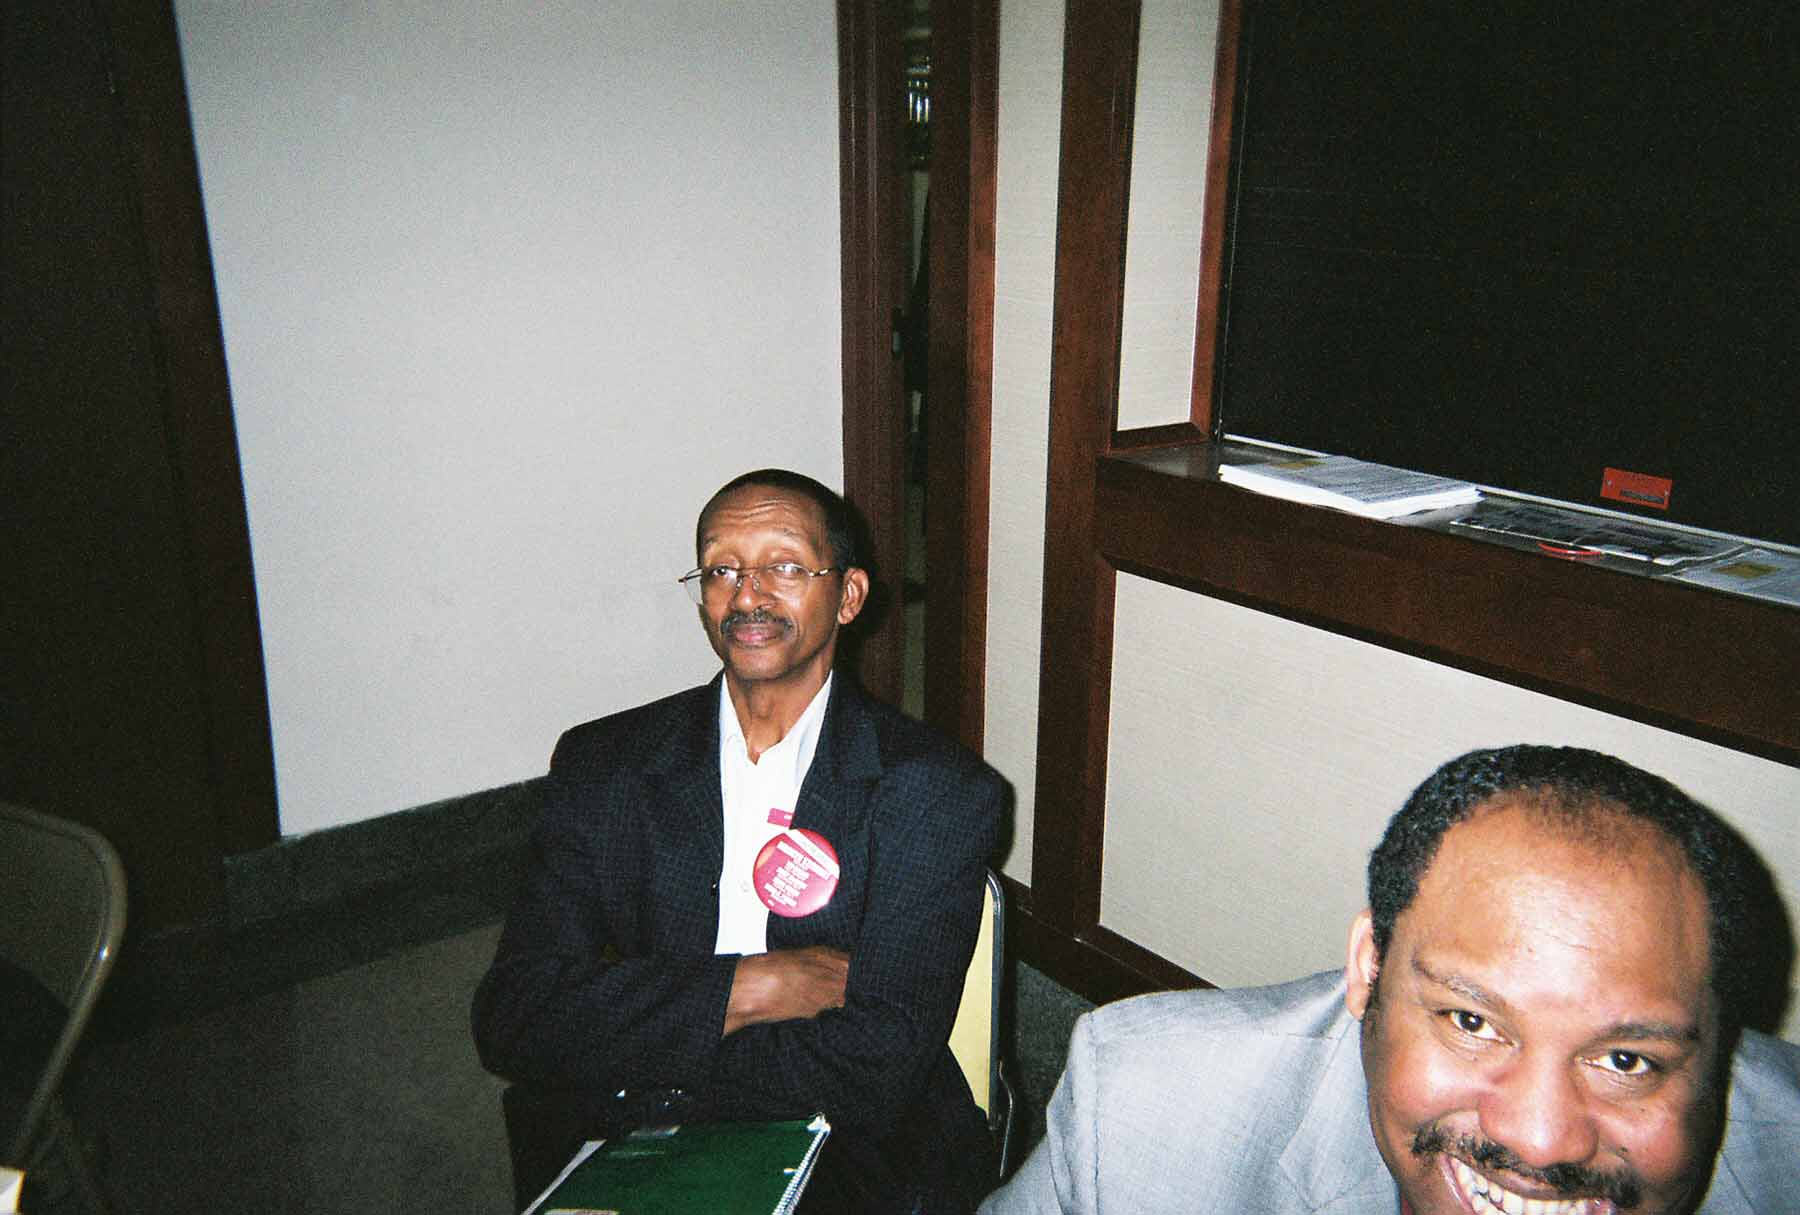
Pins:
x: 1243, y: 860
x: 507, y: 290
x: 1177, y: 42
x: 1030, y: 125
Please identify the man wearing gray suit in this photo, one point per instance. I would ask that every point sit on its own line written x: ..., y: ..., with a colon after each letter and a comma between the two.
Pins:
x: 1542, y: 1014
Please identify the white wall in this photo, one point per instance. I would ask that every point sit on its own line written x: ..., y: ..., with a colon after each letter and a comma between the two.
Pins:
x: 1242, y: 862
x: 1030, y: 128
x: 1177, y: 43
x: 1245, y: 861
x: 507, y: 290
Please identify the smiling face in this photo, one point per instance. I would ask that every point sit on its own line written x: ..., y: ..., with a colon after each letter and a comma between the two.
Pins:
x: 1544, y: 1030
x: 766, y: 640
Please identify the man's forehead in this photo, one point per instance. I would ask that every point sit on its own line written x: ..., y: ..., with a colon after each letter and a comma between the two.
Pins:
x: 1532, y: 836
x: 1534, y: 820
x: 1611, y: 904
x: 762, y: 506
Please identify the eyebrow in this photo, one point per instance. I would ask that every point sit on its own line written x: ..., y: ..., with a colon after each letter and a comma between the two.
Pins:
x: 1660, y: 1031
x: 1465, y: 987
x: 1636, y: 1031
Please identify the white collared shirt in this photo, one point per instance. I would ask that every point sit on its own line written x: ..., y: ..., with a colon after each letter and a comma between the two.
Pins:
x: 751, y: 791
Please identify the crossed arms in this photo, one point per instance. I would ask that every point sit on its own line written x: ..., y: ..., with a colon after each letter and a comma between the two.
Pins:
x: 605, y: 977
x: 786, y: 985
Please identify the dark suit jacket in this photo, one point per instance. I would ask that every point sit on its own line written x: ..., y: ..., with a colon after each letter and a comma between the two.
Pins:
x: 605, y: 977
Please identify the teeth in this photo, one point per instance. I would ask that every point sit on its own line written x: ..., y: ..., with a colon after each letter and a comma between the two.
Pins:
x: 1485, y: 1196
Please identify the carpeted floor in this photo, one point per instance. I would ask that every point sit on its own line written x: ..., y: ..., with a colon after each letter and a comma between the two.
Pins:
x: 231, y: 1084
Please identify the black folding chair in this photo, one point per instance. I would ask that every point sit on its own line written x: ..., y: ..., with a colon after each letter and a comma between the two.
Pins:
x: 59, y: 934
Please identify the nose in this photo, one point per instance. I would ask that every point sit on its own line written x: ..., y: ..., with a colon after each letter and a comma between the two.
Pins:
x: 748, y: 592
x: 1539, y: 1111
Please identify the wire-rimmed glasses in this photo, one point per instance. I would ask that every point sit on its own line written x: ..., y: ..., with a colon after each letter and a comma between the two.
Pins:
x: 715, y: 583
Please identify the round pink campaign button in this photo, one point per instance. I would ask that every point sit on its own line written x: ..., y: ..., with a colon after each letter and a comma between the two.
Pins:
x: 796, y: 872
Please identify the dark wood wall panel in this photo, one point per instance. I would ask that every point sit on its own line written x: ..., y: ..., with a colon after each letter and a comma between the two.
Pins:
x: 1706, y: 664
x: 1099, y: 82
x: 959, y: 400
x: 874, y: 220
x: 203, y: 432
x: 133, y: 695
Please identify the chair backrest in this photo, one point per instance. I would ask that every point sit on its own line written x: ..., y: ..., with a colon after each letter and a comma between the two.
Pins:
x: 975, y: 1035
x: 62, y: 919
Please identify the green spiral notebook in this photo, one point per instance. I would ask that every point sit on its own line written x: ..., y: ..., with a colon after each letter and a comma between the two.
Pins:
x: 724, y: 1168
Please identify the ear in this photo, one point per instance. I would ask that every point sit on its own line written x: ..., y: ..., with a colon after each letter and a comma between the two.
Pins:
x: 856, y: 593
x: 1361, y: 965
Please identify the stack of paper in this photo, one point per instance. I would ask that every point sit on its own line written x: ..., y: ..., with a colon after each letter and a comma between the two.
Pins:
x: 1374, y: 491
x: 1765, y: 573
x: 1568, y: 532
x: 727, y: 1168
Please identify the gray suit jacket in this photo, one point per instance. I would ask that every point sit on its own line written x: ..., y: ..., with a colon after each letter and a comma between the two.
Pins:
x: 1251, y: 1102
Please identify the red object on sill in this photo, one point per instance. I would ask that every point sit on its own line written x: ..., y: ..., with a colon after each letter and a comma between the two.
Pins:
x: 1636, y: 489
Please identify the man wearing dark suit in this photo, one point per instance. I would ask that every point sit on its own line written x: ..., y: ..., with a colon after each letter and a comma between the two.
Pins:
x: 642, y: 977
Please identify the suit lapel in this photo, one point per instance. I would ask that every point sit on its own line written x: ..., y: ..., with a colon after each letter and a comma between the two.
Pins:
x: 834, y: 801
x: 682, y: 781
x: 1332, y: 1159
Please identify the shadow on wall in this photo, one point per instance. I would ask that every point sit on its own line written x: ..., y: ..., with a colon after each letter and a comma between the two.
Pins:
x: 1769, y: 949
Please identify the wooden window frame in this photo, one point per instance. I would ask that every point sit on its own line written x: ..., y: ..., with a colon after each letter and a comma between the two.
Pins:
x: 1706, y: 664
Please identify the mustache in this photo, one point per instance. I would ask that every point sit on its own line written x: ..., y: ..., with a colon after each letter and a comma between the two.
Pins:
x: 1623, y: 1189
x: 753, y: 617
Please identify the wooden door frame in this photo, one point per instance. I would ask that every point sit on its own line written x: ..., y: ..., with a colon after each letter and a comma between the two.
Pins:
x: 147, y: 713
x: 965, y: 38
x: 1055, y: 923
x: 872, y: 211
x: 153, y: 104
x: 965, y: 91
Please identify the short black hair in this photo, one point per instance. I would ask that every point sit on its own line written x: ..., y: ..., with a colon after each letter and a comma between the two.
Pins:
x: 1573, y: 784
x: 840, y: 520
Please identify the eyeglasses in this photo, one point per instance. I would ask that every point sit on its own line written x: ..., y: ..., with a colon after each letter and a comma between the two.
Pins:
x: 715, y: 583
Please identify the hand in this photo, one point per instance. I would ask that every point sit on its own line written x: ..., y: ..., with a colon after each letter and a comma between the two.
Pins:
x: 786, y: 985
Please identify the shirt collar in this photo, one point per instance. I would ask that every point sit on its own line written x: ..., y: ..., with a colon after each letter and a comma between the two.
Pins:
x: 796, y: 746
